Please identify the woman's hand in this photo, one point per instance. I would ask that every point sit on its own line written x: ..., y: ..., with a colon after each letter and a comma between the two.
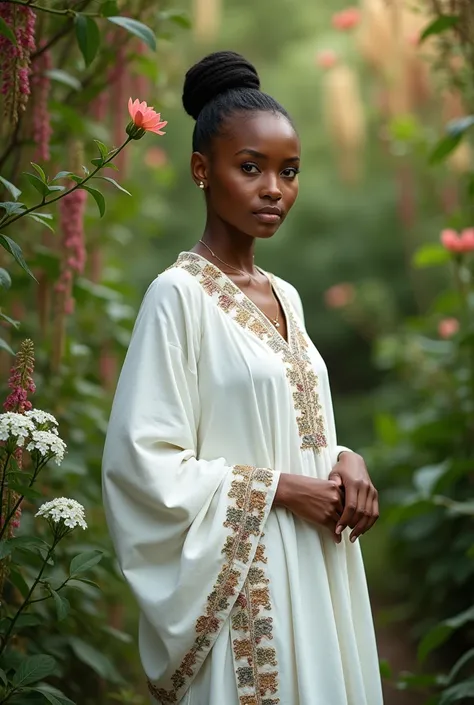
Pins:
x: 361, y: 504
x: 316, y: 501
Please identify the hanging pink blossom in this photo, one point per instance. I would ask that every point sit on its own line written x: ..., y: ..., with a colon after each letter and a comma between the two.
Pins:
x: 15, y: 59
x: 71, y: 217
x: 21, y: 380
x: 41, y: 118
x: 326, y: 59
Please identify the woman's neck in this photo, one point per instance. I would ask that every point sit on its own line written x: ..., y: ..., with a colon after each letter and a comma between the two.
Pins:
x: 234, y: 248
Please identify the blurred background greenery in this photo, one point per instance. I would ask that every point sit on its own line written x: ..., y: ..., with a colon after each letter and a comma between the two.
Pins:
x: 388, y: 306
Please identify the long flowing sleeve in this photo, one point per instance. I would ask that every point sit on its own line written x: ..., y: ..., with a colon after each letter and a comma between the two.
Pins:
x: 185, y: 528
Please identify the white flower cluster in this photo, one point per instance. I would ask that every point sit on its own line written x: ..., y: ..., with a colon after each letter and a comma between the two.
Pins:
x: 36, y: 429
x: 63, y: 509
x: 48, y: 444
x: 17, y: 426
x: 43, y: 420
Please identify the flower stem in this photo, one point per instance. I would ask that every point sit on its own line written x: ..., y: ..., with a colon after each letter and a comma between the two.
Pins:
x: 2, y: 487
x: 20, y: 499
x: 66, y: 193
x: 26, y: 601
x: 68, y: 12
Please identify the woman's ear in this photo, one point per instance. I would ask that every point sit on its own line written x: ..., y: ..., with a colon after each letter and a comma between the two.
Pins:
x: 199, y: 169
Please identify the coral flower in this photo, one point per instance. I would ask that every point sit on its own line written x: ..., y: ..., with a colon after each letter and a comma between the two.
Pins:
x: 144, y: 119
x: 339, y: 295
x: 346, y: 19
x: 458, y: 242
x: 448, y: 327
x: 326, y: 59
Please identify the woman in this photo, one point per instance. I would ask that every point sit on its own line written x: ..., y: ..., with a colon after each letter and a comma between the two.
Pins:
x: 226, y: 495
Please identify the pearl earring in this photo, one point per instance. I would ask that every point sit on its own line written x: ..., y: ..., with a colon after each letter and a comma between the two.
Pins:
x: 201, y: 185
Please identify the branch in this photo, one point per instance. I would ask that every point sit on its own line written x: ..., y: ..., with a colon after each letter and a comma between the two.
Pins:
x: 68, y: 12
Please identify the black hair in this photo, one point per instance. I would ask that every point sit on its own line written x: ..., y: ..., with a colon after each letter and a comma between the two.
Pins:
x: 219, y: 85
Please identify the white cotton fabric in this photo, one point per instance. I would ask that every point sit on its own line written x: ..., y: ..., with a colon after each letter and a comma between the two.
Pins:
x: 199, y: 394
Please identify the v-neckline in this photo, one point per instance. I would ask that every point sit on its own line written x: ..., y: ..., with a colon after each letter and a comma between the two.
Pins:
x: 259, y: 313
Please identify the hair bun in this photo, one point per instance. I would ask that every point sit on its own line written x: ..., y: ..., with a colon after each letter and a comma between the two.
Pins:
x: 214, y: 74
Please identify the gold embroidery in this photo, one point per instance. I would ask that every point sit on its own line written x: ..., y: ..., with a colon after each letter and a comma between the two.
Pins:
x: 252, y: 632
x: 299, y: 370
x: 244, y: 516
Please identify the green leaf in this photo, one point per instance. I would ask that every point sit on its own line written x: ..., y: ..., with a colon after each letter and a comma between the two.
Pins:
x: 17, y: 579
x: 459, y: 665
x: 442, y: 631
x: 461, y: 691
x: 102, y: 148
x: 5, y: 31
x: 88, y: 37
x: 62, y: 605
x: 33, y: 669
x: 139, y: 29
x: 98, y: 161
x: 15, y: 192
x: 61, y: 175
x: 25, y: 491
x: 37, y: 219
x: 5, y: 282
x: 444, y: 148
x: 5, y: 549
x: 65, y: 78
x: 385, y: 670
x: 53, y: 695
x: 4, y: 346
x: 460, y: 125
x: 39, y: 185
x: 426, y: 478
x: 3, y: 676
x: 13, y: 207
x: 95, y: 659
x: 114, y: 183
x: 40, y: 172
x: 109, y: 8
x: 11, y: 321
x: 430, y: 255
x: 76, y: 178
x: 439, y: 25
x: 30, y: 543
x: 98, y: 197
x: 178, y: 17
x: 14, y: 249
x: 84, y: 561
x: 53, y: 189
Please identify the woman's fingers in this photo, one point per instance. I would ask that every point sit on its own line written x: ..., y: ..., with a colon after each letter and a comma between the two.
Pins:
x: 369, y: 517
x: 349, y: 508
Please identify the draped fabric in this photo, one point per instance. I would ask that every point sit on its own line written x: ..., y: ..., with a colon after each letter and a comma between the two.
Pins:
x: 241, y: 603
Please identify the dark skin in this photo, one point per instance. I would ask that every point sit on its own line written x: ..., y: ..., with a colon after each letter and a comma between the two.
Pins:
x: 252, y: 166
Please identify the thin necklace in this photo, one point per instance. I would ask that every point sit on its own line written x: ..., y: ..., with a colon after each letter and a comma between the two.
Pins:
x: 275, y: 320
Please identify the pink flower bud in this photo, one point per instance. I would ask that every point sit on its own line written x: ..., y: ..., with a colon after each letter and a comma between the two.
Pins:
x: 448, y: 327
x: 467, y: 240
x: 339, y: 295
x: 346, y: 19
x: 451, y: 240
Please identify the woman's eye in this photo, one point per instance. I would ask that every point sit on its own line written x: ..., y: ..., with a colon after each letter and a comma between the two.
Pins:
x: 250, y: 168
x: 291, y: 172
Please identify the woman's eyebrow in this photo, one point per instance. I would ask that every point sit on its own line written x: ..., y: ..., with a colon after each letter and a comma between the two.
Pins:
x: 259, y: 155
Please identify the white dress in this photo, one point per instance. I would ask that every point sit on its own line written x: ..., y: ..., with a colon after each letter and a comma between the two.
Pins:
x: 241, y: 603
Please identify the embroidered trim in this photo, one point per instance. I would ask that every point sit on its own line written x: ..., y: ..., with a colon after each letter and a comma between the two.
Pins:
x: 255, y: 659
x: 244, y: 517
x: 299, y: 370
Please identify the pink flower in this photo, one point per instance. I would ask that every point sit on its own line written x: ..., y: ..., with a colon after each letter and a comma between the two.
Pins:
x: 458, y: 242
x: 41, y: 116
x: 21, y: 381
x: 448, y: 327
x: 326, y: 59
x: 346, y: 19
x: 145, y: 118
x: 15, y: 59
x: 339, y: 295
x: 467, y: 239
x: 71, y: 217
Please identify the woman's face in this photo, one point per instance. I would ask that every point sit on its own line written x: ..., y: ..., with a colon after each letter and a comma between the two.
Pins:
x: 251, y: 174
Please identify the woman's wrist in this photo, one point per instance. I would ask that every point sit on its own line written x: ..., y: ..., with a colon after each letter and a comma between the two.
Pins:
x: 283, y: 490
